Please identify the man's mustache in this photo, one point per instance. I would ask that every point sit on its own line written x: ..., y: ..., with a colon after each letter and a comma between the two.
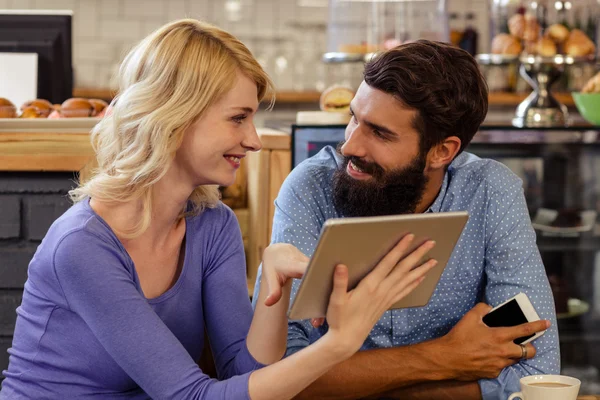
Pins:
x: 370, y: 168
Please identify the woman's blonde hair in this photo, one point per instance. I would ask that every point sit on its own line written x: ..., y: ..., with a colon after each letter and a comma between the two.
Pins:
x: 166, y: 83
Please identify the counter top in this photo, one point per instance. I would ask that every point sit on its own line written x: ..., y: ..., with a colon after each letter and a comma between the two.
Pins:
x: 44, y: 151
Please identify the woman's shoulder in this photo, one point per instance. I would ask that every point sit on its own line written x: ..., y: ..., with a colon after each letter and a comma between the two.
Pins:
x: 79, y: 229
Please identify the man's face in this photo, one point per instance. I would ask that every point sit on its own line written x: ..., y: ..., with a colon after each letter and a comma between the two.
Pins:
x: 383, y: 172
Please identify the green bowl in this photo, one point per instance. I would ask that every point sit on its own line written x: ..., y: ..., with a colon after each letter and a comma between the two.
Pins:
x: 588, y: 105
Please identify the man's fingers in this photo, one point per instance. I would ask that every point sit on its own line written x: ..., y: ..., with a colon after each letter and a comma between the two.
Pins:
x: 527, y: 329
x: 481, y: 309
x: 518, y: 351
x: 531, y: 351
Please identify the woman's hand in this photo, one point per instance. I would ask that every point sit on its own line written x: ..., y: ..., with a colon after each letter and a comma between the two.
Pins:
x: 352, y: 314
x: 281, y: 261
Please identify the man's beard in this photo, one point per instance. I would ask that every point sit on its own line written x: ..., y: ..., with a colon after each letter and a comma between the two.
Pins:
x: 385, y: 193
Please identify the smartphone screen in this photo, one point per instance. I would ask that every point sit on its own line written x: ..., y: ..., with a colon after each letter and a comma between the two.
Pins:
x: 509, y: 314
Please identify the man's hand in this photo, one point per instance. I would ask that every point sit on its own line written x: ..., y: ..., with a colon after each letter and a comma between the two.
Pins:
x: 473, y: 351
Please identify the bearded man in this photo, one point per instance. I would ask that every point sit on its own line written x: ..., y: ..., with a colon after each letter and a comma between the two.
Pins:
x: 419, y: 106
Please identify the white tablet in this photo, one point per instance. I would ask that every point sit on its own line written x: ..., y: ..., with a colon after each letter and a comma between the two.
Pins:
x: 360, y: 243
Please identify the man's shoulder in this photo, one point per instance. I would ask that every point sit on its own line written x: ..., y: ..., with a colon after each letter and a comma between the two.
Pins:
x: 469, y: 170
x: 315, y: 172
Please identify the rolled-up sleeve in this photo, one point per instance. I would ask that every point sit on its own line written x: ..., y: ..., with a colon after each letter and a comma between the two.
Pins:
x: 514, y: 265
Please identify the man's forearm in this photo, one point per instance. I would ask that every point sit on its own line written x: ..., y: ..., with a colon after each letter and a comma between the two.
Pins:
x: 444, y: 390
x: 378, y: 371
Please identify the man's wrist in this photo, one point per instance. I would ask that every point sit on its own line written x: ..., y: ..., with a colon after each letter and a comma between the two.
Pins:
x: 436, y: 354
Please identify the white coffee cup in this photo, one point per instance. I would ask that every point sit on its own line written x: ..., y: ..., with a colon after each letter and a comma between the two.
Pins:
x: 548, y: 387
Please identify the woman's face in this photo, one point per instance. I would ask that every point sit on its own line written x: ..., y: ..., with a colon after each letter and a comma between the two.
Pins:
x: 213, y: 146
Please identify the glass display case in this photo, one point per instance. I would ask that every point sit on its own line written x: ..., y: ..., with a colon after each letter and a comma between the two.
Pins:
x: 357, y: 28
x: 560, y: 169
x: 546, y: 39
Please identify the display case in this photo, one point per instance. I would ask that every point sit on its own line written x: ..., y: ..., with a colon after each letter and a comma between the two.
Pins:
x: 358, y: 28
x: 548, y: 40
x: 560, y: 169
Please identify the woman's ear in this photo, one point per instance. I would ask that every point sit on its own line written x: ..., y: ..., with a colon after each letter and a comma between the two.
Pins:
x: 441, y: 155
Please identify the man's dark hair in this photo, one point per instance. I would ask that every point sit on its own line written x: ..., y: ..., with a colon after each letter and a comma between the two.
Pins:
x: 441, y: 82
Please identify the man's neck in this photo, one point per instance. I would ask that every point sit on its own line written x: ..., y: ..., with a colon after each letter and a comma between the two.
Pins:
x: 432, y: 190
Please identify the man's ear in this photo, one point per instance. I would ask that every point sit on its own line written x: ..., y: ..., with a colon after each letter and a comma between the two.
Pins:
x: 442, y: 154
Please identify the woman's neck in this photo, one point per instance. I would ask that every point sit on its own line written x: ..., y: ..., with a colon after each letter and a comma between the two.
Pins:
x: 169, y: 199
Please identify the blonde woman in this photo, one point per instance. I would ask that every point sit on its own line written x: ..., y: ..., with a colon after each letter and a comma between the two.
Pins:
x: 125, y: 283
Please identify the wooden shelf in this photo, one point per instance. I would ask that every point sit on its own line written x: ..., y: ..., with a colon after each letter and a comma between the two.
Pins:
x: 281, y: 97
x: 291, y: 97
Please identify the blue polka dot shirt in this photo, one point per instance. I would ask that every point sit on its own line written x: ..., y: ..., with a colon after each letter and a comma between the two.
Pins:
x: 495, y: 258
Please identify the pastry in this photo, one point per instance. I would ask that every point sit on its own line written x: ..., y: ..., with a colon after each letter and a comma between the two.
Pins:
x: 578, y: 44
x: 545, y: 47
x: 43, y: 107
x: 7, y: 109
x: 32, y: 112
x: 76, y: 107
x: 531, y: 31
x: 336, y: 98
x: 504, y: 43
x: 358, y: 48
x: 567, y: 218
x: 558, y: 33
x: 593, y: 85
x: 99, y: 106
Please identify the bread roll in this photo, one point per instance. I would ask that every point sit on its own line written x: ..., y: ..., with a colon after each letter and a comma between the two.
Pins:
x: 31, y: 112
x: 578, y: 44
x: 336, y: 99
x: 531, y: 31
x: 504, y: 43
x: 7, y: 109
x: 43, y: 107
x: 76, y: 107
x: 557, y: 32
x: 99, y: 106
x: 545, y: 47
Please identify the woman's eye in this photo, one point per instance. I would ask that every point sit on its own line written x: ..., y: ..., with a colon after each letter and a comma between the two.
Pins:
x: 239, y: 119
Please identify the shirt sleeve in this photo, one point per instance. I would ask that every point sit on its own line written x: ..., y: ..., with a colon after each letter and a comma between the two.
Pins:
x: 100, y: 289
x: 513, y: 264
x: 227, y: 307
x: 300, y: 211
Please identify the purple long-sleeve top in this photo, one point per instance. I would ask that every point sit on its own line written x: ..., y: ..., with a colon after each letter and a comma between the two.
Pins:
x: 85, y: 330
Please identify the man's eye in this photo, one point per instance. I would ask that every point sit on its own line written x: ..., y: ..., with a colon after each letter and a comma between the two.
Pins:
x: 380, y: 135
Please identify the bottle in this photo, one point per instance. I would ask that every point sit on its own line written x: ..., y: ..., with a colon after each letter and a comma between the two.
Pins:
x: 456, y: 32
x: 470, y: 35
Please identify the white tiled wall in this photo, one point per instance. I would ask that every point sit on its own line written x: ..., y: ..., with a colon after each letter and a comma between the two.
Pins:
x: 286, y: 37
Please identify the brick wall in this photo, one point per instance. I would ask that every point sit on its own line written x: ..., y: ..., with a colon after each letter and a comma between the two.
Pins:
x: 287, y: 36
x: 29, y: 203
